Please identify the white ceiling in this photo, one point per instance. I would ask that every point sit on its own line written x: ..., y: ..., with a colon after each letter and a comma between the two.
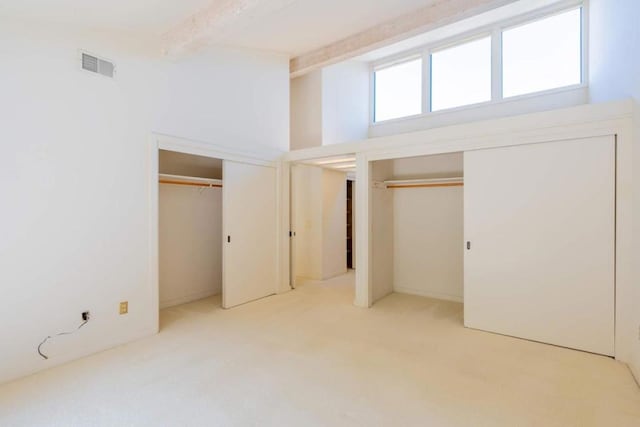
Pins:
x: 291, y: 26
x: 148, y: 17
x: 305, y: 25
x: 481, y: 20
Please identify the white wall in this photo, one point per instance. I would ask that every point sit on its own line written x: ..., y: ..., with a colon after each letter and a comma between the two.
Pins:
x: 474, y: 113
x: 428, y: 229
x: 306, y: 111
x: 334, y: 223
x: 330, y: 105
x: 307, y: 185
x: 74, y: 175
x: 613, y: 33
x: 437, y: 166
x: 190, y: 243
x: 428, y: 242
x: 382, y: 232
x: 345, y: 102
x: 236, y: 98
x: 321, y: 249
x: 614, y: 73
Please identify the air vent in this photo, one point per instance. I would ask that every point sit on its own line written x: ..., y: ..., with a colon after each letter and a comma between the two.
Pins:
x: 97, y: 65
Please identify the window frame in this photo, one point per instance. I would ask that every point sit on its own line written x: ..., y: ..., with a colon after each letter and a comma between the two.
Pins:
x: 459, y: 42
x: 494, y: 31
x: 389, y: 64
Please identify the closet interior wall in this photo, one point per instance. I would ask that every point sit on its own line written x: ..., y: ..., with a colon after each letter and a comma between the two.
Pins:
x: 382, y: 213
x: 417, y: 239
x: 190, y: 228
x: 428, y: 228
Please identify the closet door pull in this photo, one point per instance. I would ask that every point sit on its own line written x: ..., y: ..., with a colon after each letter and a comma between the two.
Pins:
x: 468, y: 245
x: 228, y: 239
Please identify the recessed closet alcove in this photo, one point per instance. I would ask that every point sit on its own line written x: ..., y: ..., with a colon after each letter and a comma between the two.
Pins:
x: 190, y: 227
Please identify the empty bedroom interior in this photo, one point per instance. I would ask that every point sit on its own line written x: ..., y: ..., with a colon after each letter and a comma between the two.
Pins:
x: 306, y: 212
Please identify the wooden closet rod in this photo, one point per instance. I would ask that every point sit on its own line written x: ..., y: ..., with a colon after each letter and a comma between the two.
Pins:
x: 193, y: 184
x: 425, y: 182
x: 443, y: 184
x: 192, y: 181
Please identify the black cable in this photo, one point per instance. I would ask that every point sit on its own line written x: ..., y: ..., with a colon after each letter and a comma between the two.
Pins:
x: 58, y: 335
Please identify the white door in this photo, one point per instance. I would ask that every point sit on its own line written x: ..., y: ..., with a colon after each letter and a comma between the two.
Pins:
x: 249, y: 233
x: 540, y: 222
x: 293, y: 188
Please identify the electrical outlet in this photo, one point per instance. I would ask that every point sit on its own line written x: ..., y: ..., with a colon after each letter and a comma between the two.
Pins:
x: 85, y: 316
x: 124, y: 307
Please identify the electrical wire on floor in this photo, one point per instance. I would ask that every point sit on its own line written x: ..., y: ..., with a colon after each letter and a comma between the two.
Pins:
x: 44, y: 356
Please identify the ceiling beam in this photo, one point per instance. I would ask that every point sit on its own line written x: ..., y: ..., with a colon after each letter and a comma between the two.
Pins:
x: 212, y: 24
x: 440, y: 13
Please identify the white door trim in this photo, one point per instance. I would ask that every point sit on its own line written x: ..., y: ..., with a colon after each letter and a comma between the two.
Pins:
x: 259, y: 156
x: 622, y: 127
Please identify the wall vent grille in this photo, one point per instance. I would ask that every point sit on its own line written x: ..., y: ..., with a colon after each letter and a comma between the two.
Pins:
x: 97, y: 65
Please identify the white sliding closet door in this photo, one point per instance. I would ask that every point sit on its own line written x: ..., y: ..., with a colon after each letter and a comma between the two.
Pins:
x: 249, y: 232
x: 540, y: 220
x: 293, y: 241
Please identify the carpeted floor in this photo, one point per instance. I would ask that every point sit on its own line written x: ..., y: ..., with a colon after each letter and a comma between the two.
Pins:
x: 310, y: 358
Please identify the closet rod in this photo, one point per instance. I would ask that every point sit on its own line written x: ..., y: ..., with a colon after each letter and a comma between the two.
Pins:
x: 425, y: 182
x: 193, y: 181
x: 444, y: 184
x: 194, y: 184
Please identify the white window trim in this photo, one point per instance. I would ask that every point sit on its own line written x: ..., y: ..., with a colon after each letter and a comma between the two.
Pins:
x: 495, y: 32
x: 440, y: 47
x: 388, y: 64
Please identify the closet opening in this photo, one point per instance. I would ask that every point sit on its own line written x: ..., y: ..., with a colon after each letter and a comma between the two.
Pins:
x: 417, y: 218
x: 323, y: 220
x: 189, y: 228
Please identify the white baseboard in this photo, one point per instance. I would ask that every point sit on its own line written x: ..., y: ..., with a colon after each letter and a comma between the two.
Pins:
x: 428, y: 294
x: 186, y: 298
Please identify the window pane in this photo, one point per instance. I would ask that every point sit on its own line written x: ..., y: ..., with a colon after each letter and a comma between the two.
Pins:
x: 461, y: 75
x: 543, y: 55
x: 398, y: 91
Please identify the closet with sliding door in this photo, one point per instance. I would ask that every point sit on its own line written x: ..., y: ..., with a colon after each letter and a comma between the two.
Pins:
x: 540, y: 242
x: 418, y: 224
x: 190, y: 228
x: 524, y: 236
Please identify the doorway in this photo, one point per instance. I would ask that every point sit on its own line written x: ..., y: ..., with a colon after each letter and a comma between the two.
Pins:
x: 322, y: 201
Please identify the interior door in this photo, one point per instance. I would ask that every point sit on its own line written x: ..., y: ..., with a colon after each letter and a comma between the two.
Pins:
x: 540, y: 250
x: 293, y: 188
x: 249, y: 236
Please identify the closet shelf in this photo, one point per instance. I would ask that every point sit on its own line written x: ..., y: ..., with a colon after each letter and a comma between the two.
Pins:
x: 422, y: 182
x: 164, y: 178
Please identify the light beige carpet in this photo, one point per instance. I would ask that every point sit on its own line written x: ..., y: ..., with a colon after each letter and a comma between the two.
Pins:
x: 310, y: 358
